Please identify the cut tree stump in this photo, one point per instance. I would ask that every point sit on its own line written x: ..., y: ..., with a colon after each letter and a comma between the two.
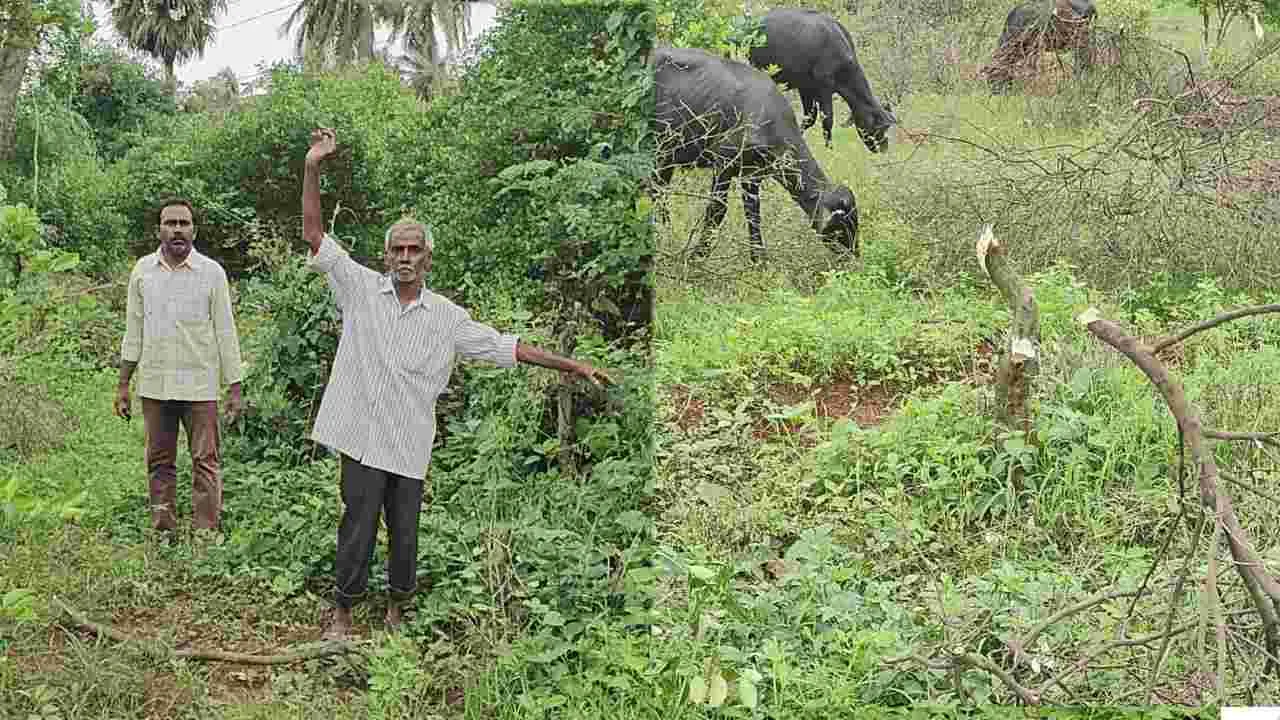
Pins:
x: 1021, y: 362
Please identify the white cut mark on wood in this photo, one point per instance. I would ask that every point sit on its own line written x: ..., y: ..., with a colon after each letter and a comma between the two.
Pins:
x: 1089, y: 316
x: 1023, y: 346
x: 986, y: 241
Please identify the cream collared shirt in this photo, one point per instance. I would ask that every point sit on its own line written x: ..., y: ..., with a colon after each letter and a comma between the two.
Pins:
x: 180, y: 329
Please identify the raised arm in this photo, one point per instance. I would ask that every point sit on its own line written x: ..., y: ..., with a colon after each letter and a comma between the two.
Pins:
x: 323, y: 143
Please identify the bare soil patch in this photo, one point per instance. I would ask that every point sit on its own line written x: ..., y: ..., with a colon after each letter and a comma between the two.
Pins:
x: 164, y: 697
x: 867, y: 406
x: 688, y: 409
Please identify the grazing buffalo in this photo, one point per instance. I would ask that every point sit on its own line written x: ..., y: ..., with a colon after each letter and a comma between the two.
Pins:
x: 817, y: 57
x: 1037, y: 26
x: 713, y: 112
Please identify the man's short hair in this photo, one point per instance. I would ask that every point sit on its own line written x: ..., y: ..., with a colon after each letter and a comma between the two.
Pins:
x: 170, y: 202
x: 408, y: 224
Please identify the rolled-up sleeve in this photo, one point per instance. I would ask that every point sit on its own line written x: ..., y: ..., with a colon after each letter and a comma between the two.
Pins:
x: 346, y: 276
x: 477, y: 341
x: 224, y: 325
x: 131, y: 346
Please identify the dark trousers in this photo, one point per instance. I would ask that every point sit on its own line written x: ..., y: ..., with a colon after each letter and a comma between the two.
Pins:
x: 161, y: 419
x: 366, y: 493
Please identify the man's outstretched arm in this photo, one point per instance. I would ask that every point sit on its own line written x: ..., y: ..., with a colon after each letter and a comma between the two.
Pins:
x: 478, y: 341
x: 534, y: 355
x: 323, y: 143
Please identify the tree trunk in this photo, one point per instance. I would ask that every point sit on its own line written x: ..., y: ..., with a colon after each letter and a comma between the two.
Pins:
x: 1204, y: 22
x: 1020, y: 363
x: 365, y: 53
x: 13, y: 67
x: 566, y: 422
x: 170, y: 80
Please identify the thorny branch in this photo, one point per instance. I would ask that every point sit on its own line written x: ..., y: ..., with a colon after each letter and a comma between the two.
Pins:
x: 1212, y: 323
x: 1264, y: 589
x: 155, y: 649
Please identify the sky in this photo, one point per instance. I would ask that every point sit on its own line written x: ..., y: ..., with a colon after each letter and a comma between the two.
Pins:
x: 249, y: 34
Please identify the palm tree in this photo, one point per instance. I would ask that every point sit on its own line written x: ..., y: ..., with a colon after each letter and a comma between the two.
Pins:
x: 332, y: 30
x: 416, y: 21
x: 171, y: 31
x: 421, y: 71
x: 336, y: 31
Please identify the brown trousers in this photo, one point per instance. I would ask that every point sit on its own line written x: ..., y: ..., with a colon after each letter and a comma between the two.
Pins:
x: 161, y: 419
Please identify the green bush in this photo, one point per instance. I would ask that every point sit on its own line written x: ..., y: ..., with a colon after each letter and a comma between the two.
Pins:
x: 248, y: 166
x: 79, y: 200
x: 63, y: 134
x: 1133, y: 17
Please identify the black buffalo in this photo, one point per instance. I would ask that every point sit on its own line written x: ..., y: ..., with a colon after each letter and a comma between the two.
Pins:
x: 816, y: 56
x: 717, y: 113
x: 1038, y: 26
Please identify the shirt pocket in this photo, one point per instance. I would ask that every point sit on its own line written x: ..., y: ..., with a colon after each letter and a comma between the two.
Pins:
x: 424, y: 361
x: 422, y: 350
x: 191, y: 307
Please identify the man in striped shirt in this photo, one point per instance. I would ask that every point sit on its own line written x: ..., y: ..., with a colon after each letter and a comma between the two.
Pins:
x: 181, y: 336
x: 396, y: 353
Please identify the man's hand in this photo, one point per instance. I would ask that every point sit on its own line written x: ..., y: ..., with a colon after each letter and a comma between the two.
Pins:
x: 595, y: 375
x: 235, y: 403
x: 323, y: 143
x: 122, y: 402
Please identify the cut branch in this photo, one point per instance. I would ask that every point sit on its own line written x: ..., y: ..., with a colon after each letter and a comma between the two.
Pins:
x: 1269, y: 438
x: 1247, y: 562
x: 1212, y: 323
x: 972, y: 660
x: 159, y: 650
x: 1021, y: 363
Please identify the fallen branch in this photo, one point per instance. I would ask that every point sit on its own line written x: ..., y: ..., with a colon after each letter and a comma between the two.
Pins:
x: 959, y: 660
x: 1247, y: 562
x: 1089, y: 656
x: 1065, y: 613
x: 159, y: 650
x: 1212, y: 323
x: 1268, y: 438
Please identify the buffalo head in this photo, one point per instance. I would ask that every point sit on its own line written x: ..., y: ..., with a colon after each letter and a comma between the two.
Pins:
x: 836, y: 218
x: 875, y: 132
x: 1080, y: 8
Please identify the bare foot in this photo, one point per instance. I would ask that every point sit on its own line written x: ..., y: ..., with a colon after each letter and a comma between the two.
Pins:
x: 340, y: 628
x: 395, y: 618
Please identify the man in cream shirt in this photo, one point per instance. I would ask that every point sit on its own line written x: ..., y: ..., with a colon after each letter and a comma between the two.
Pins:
x: 181, y: 337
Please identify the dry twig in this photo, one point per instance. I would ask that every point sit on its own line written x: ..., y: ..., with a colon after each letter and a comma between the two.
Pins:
x: 156, y: 649
x: 1247, y: 561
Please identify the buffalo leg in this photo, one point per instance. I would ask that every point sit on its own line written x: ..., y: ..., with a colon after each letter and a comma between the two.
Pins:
x: 715, y: 212
x: 827, y: 117
x: 751, y: 205
x: 809, y: 107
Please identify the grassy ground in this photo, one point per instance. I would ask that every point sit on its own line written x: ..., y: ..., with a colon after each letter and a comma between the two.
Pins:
x: 815, y: 407
x: 831, y: 493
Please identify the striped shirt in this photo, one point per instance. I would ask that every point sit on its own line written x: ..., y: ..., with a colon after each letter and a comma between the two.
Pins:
x: 179, y: 328
x: 393, y: 361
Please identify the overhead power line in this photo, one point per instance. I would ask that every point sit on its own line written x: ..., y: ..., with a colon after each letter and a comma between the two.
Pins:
x: 259, y: 16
